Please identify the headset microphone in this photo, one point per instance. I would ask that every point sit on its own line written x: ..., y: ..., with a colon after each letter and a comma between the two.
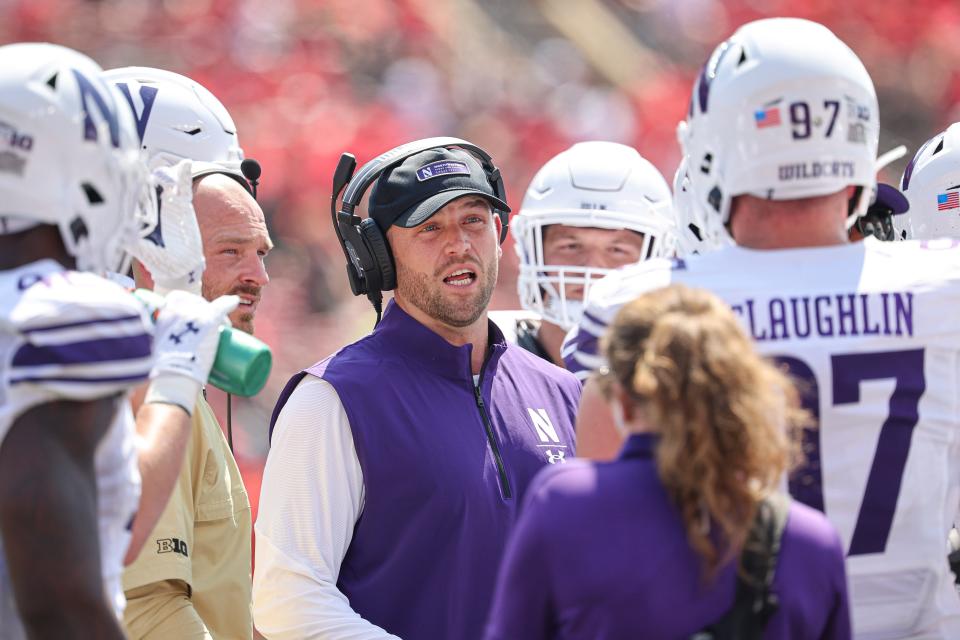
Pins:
x: 251, y: 171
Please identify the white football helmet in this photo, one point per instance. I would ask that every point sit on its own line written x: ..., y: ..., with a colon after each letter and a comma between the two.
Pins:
x: 692, y: 237
x: 592, y: 184
x: 69, y: 155
x: 931, y: 183
x: 179, y: 119
x: 782, y: 110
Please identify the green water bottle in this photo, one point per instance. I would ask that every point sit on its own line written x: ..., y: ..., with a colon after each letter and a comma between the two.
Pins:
x: 242, y: 363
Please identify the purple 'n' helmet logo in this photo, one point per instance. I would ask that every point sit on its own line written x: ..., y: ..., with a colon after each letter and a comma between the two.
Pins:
x: 90, y: 96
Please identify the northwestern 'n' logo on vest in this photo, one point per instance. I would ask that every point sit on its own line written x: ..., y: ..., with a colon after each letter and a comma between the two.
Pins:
x: 544, y: 428
x: 547, y: 434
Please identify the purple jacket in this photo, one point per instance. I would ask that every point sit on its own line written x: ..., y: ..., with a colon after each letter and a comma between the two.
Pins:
x: 600, y: 552
x: 444, y: 467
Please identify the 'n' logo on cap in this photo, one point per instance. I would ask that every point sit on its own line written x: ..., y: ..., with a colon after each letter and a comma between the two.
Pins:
x: 441, y: 168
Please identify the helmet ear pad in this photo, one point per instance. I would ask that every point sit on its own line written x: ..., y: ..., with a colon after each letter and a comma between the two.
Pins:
x: 379, y: 249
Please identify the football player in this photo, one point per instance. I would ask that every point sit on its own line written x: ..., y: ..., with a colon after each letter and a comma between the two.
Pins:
x: 592, y: 208
x: 781, y: 142
x: 73, y: 344
x: 204, y: 586
x: 931, y: 183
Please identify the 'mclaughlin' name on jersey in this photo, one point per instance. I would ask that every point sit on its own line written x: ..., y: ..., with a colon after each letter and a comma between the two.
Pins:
x: 66, y: 335
x: 872, y: 331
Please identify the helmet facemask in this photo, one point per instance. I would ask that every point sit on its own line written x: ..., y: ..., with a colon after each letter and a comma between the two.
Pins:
x: 544, y: 287
x: 598, y: 185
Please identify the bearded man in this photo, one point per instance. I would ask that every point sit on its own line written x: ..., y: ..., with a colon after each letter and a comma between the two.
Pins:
x: 398, y: 463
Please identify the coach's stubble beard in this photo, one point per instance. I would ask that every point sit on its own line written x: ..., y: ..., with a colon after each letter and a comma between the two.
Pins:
x: 427, y: 294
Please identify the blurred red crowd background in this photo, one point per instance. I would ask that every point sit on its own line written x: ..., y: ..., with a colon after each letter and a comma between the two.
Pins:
x: 306, y: 80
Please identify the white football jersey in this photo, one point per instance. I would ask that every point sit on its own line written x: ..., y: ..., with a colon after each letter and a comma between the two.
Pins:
x: 874, y: 331
x: 66, y: 335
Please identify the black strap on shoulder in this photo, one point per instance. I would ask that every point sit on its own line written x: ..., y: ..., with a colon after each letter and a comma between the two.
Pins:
x: 755, y: 601
x: 527, y: 338
x: 954, y: 556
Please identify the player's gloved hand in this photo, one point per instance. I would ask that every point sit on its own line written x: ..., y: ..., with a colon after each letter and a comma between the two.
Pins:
x: 185, y: 346
x: 172, y: 249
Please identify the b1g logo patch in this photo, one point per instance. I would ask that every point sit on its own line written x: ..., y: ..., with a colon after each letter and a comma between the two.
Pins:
x: 13, y: 147
x: 172, y: 545
x: 19, y: 140
x: 442, y: 168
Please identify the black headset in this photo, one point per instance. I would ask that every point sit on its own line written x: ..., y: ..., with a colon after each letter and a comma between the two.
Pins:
x: 370, y: 265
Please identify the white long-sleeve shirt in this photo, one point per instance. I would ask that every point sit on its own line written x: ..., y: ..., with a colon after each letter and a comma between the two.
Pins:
x: 311, y: 497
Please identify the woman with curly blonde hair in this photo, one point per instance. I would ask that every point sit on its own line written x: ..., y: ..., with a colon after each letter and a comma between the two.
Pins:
x: 648, y: 546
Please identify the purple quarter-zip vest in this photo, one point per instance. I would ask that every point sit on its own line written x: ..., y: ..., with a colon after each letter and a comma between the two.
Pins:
x: 444, y: 468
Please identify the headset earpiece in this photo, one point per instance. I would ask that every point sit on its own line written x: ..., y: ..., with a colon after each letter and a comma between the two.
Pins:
x: 348, y: 232
x: 382, y: 276
x: 496, y: 181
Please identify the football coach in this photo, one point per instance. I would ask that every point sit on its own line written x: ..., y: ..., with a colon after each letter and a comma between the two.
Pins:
x: 398, y: 463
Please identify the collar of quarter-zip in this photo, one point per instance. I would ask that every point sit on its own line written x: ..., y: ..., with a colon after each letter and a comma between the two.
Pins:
x: 414, y: 342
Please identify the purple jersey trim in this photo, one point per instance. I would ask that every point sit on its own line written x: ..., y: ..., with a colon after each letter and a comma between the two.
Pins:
x: 588, y: 345
x: 81, y: 323
x: 93, y: 380
x: 592, y: 318
x: 83, y: 352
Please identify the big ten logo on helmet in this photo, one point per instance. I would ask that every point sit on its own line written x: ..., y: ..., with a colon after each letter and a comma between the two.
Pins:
x: 554, y: 450
x: 857, y: 111
x: 90, y: 93
x: 14, y: 144
x: 858, y: 116
x: 147, y: 95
